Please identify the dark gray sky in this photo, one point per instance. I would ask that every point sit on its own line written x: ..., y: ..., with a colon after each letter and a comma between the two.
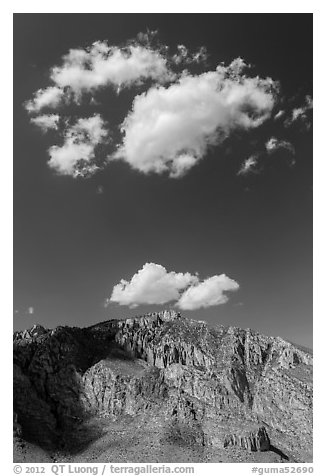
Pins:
x: 74, y: 239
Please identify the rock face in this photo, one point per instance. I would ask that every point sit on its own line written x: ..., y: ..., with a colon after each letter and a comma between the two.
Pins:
x: 215, y: 386
x: 254, y: 440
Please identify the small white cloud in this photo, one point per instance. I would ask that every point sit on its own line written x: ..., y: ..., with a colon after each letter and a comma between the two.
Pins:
x: 46, y: 122
x: 274, y: 144
x: 185, y: 57
x: 170, y: 129
x: 147, y: 38
x: 30, y: 310
x: 50, y: 97
x: 300, y: 113
x: 279, y: 115
x: 200, y: 56
x: 63, y: 159
x: 249, y: 165
x: 210, y: 292
x: 86, y: 70
x: 182, y: 54
x: 153, y: 284
x: 76, y: 155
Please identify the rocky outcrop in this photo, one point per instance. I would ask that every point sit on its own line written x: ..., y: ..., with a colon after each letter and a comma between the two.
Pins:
x: 35, y: 331
x: 256, y: 440
x: 209, y: 385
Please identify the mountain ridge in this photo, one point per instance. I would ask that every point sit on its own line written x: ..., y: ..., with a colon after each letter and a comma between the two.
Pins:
x: 210, y: 387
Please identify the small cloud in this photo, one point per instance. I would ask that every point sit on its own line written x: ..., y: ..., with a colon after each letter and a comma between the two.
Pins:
x: 100, y: 189
x: 147, y: 38
x: 76, y: 156
x: 200, y: 56
x: 50, y: 97
x: 185, y: 57
x: 46, y: 122
x: 181, y: 56
x: 301, y: 113
x: 90, y: 69
x: 30, y: 310
x: 274, y: 144
x: 248, y: 166
x: 153, y: 284
x: 210, y: 292
x: 279, y: 115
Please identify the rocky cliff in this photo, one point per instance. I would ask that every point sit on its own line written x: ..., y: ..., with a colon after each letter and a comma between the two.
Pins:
x: 209, y: 386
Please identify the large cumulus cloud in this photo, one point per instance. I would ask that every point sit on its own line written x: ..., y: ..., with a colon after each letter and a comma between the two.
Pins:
x: 170, y: 128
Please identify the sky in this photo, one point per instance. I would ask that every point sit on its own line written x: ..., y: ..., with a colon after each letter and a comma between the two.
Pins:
x: 164, y: 161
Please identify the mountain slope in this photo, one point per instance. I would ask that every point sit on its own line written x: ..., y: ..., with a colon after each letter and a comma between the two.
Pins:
x: 212, y: 390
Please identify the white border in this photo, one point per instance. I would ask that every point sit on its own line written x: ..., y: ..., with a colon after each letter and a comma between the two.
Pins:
x: 167, y: 6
